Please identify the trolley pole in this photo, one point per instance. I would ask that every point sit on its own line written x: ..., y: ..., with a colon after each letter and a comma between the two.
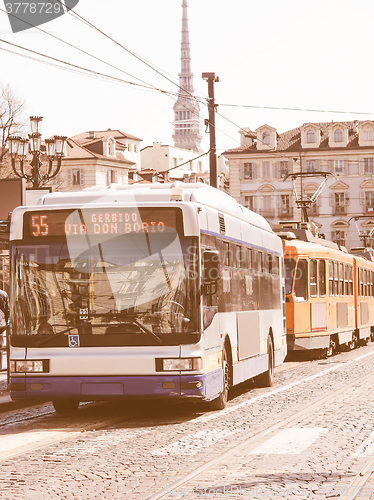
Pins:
x: 211, y: 79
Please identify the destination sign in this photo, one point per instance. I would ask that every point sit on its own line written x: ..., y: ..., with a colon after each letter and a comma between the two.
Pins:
x: 100, y: 222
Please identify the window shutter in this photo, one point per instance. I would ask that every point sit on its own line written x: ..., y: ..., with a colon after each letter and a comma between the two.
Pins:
x: 254, y: 203
x: 276, y: 170
x: 362, y: 198
x: 332, y: 166
x: 361, y: 167
x: 332, y: 199
x: 108, y: 177
x: 82, y: 176
x: 70, y: 177
x: 241, y: 171
x: 345, y: 168
x: 346, y: 199
x: 255, y: 171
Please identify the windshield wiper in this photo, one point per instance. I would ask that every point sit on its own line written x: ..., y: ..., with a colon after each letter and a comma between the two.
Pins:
x: 130, y: 317
x: 147, y: 330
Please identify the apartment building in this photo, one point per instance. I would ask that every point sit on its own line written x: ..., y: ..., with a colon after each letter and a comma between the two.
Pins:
x: 260, y: 167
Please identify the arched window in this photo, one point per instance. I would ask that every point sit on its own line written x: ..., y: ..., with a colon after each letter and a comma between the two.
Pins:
x: 266, y: 138
x: 310, y: 136
x: 338, y: 135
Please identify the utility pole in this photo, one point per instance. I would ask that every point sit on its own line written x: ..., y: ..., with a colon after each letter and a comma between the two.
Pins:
x: 211, y: 79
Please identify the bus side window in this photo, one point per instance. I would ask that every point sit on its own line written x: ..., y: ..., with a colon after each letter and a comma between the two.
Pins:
x: 254, y: 260
x: 270, y: 262
x: 226, y: 253
x: 322, y: 277
x: 313, y: 278
x: 249, y: 258
x: 301, y: 280
x: 275, y: 264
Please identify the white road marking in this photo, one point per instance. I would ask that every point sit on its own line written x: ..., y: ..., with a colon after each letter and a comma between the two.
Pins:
x: 289, y: 441
x: 367, y: 447
x: 193, y: 443
x: 285, y: 388
x: 14, y: 444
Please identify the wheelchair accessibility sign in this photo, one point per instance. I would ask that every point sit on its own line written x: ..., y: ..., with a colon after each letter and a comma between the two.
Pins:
x: 74, y: 341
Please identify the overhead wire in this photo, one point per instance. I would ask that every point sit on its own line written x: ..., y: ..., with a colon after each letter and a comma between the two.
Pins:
x: 296, y: 109
x: 79, y: 69
x: 157, y: 70
x: 147, y: 63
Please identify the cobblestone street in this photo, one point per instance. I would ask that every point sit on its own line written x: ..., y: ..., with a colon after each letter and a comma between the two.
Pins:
x: 138, y: 450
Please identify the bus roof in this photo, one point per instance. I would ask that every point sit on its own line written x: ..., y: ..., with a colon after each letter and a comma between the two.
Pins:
x: 159, y: 193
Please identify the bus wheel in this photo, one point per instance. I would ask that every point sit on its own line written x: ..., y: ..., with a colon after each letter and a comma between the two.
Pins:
x: 65, y: 405
x: 266, y: 378
x: 220, y: 402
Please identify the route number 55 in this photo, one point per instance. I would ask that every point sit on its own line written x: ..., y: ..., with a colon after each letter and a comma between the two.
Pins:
x: 39, y: 225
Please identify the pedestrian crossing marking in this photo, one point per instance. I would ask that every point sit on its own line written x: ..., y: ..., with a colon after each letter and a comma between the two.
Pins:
x: 289, y: 441
x: 193, y: 443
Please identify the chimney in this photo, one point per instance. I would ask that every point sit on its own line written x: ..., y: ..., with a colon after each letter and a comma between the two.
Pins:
x: 91, y: 134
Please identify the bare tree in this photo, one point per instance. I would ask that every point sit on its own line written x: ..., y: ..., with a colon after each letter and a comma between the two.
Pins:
x: 12, y: 117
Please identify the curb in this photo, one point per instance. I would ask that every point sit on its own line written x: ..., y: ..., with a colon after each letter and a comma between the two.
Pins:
x: 7, y: 404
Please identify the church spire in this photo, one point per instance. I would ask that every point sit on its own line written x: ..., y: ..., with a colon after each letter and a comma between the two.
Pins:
x: 186, y: 109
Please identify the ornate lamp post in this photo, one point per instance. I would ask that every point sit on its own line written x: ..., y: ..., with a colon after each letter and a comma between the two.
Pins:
x: 54, y: 149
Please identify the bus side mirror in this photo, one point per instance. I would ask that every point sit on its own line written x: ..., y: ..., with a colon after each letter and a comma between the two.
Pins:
x: 211, y: 271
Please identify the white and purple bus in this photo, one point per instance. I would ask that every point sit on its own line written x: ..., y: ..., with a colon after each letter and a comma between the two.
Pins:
x: 156, y: 291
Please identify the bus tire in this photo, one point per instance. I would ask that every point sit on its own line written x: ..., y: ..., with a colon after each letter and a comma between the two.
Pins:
x: 220, y: 402
x: 266, y: 379
x: 65, y: 405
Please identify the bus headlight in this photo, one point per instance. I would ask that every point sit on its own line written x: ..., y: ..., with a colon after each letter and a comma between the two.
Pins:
x: 29, y: 366
x: 178, y: 364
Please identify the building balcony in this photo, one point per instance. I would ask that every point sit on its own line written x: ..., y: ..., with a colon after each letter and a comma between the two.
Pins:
x: 339, y: 210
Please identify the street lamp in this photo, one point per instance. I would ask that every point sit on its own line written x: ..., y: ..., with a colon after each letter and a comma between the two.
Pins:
x: 55, y: 149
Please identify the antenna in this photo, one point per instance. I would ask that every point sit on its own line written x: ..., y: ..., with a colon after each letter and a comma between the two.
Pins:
x: 304, y: 202
x: 365, y: 235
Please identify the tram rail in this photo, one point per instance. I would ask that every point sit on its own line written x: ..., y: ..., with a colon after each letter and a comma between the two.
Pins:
x: 365, y: 472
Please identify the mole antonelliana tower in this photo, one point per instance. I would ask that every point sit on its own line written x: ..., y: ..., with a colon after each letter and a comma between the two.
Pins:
x: 186, y: 109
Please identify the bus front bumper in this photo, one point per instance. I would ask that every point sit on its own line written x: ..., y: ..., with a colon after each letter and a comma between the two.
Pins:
x: 204, y: 386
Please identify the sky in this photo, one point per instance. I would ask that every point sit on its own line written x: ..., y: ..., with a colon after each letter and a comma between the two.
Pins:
x: 269, y: 55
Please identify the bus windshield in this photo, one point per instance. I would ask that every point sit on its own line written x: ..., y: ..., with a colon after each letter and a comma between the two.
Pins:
x: 130, y: 283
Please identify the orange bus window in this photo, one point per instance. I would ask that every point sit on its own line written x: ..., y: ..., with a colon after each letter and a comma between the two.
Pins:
x: 313, y: 278
x: 331, y: 278
x: 346, y: 279
x: 350, y: 280
x: 289, y: 273
x: 301, y: 281
x: 322, y: 277
x: 341, y: 279
x: 336, y: 278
